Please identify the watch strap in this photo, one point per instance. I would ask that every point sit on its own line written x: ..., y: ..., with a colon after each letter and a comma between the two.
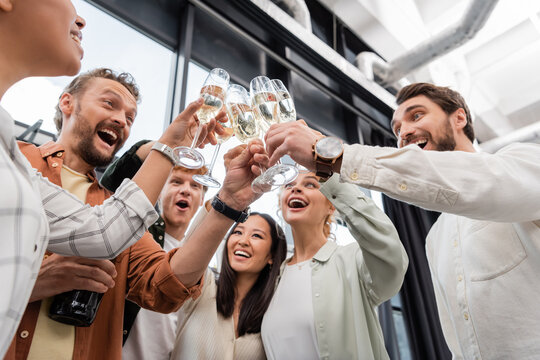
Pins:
x: 165, y: 150
x: 235, y: 215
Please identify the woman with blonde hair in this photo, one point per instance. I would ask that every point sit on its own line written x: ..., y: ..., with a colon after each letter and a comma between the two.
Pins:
x: 325, y: 303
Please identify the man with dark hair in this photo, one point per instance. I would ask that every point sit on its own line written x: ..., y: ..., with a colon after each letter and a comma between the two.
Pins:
x: 484, y: 250
x: 96, y: 121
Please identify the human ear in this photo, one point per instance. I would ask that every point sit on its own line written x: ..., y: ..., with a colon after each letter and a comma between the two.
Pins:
x: 6, y: 5
x: 65, y: 103
x: 460, y: 118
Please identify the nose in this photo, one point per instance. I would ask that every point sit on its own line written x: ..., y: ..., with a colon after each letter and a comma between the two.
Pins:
x: 80, y: 22
x: 120, y: 119
x: 185, y: 188
x: 406, y: 130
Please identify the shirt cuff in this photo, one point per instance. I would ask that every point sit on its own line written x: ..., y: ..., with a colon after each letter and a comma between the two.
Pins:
x: 171, y: 287
x: 357, y: 166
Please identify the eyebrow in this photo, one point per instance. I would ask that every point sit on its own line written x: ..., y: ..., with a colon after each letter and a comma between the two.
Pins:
x: 407, y: 110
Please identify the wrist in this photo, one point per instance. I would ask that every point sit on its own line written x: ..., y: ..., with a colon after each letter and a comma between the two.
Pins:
x: 238, y: 216
x: 232, y: 201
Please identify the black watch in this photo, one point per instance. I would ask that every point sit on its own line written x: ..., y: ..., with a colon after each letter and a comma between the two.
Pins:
x: 235, y: 215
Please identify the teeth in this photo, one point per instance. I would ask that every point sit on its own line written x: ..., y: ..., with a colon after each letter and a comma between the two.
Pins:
x: 110, y: 132
x: 294, y: 202
x: 242, y: 253
x: 418, y: 142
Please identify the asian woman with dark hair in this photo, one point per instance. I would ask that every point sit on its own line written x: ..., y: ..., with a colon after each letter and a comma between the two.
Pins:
x: 224, y: 322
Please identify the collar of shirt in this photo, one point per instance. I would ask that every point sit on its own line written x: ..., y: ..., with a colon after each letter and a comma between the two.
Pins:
x: 53, y: 149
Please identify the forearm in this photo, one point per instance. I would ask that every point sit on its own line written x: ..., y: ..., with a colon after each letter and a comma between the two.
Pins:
x: 126, y: 166
x: 100, y: 232
x: 383, y: 262
x: 477, y: 185
x: 191, y: 260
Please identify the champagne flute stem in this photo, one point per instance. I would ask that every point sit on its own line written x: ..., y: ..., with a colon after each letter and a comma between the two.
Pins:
x: 214, y: 157
x: 196, y: 137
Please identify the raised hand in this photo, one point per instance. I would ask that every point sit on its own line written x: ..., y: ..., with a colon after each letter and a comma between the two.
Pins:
x: 180, y: 131
x: 294, y: 139
x: 59, y: 274
x: 241, y: 170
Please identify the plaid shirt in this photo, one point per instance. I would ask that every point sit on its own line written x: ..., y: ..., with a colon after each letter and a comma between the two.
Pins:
x: 34, y: 213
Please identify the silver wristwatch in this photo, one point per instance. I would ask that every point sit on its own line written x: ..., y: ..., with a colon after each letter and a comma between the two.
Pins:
x: 165, y: 150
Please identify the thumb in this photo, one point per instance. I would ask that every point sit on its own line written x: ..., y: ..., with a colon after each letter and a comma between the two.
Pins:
x: 190, y: 110
x: 241, y: 160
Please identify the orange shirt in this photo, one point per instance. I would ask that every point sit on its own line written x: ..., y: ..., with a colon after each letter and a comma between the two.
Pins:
x: 144, y: 277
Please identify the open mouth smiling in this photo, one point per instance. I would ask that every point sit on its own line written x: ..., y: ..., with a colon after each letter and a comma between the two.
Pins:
x: 242, y: 253
x: 108, y: 136
x: 296, y: 203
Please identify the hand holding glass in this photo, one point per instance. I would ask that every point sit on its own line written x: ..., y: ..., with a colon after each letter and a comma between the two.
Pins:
x: 213, y: 93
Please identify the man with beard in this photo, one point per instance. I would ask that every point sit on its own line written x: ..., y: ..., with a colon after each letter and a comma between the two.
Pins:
x: 484, y: 250
x: 94, y: 116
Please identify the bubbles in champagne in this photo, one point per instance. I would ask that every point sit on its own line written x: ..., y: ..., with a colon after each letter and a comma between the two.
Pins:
x: 285, y: 108
x: 244, y: 124
x: 264, y: 105
x: 213, y: 101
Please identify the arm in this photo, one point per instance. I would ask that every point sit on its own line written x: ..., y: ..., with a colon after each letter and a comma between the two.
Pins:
x: 383, y: 261
x: 126, y: 166
x: 477, y: 185
x: 191, y: 260
x: 164, y: 281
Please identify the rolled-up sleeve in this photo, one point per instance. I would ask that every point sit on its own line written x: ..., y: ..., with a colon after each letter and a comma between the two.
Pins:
x: 151, y: 281
x: 100, y: 232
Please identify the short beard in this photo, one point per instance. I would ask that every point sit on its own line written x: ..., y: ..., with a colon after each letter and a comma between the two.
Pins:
x: 447, y: 142
x: 85, y: 147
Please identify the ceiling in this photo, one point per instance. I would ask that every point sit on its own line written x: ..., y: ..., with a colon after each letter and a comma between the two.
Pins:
x: 498, y: 71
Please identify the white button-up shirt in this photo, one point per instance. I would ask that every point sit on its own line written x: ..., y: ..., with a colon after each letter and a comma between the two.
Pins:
x: 34, y: 213
x: 484, y: 252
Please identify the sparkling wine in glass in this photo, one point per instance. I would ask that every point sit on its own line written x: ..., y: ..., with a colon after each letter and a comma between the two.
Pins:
x: 264, y: 98
x: 208, y: 179
x: 213, y: 93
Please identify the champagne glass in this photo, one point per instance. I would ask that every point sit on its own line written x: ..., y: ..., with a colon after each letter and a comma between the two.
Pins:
x: 208, y: 179
x: 213, y: 93
x: 264, y: 101
x: 239, y: 109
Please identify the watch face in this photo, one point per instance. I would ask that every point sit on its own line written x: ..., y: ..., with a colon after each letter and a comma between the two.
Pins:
x: 329, y: 147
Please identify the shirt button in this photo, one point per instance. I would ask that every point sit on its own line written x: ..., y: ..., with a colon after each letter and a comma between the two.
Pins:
x: 125, y: 332
x: 59, y: 154
x: 334, y: 196
x: 455, y: 243
x: 45, y: 256
x: 160, y: 237
x: 24, y: 334
x: 466, y: 316
x: 317, y: 294
x: 54, y: 165
x: 402, y: 187
x: 35, y: 247
x: 459, y: 278
x: 161, y: 223
x: 354, y: 176
x: 321, y: 325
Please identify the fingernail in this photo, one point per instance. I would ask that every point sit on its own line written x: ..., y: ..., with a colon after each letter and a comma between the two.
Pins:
x: 199, y: 100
